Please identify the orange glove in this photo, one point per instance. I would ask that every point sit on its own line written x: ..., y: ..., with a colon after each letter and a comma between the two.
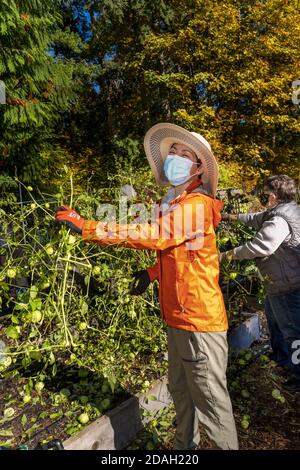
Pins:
x: 64, y: 215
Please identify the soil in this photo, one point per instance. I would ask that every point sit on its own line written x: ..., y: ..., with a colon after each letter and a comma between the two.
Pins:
x: 46, y: 420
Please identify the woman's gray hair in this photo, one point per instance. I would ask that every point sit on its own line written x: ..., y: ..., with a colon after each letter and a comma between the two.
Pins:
x: 283, y: 187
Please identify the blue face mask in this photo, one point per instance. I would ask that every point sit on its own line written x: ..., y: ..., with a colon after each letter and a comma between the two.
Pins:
x: 177, y: 169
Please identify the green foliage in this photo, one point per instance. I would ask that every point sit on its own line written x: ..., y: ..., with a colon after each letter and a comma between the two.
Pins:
x: 223, y: 69
x: 89, y: 79
x: 39, y: 83
x: 61, y: 297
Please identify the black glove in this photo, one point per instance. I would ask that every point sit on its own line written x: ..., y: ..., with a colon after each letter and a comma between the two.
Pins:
x: 141, y: 282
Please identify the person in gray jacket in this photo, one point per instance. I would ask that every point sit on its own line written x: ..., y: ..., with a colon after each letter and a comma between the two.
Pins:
x: 276, y: 251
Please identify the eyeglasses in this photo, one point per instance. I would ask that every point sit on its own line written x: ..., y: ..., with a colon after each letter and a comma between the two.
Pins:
x: 264, y: 198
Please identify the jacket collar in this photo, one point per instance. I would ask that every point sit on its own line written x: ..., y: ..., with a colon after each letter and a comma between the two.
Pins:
x: 190, y: 189
x: 217, y: 205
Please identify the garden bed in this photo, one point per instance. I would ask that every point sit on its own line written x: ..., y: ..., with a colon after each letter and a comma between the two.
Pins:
x: 267, y: 417
x: 34, y: 412
x: 121, y: 425
x: 77, y: 345
x: 243, y: 335
x: 75, y: 395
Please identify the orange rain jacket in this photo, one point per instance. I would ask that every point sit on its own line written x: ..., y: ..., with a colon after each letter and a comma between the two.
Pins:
x: 187, y: 265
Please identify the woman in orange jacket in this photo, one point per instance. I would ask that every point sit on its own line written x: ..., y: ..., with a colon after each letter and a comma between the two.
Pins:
x: 187, y: 268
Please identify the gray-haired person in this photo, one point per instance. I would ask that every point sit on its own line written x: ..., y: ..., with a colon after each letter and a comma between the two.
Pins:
x: 276, y: 251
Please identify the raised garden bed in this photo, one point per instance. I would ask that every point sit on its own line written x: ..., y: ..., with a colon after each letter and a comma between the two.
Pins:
x: 76, y: 314
x: 120, y: 426
x: 243, y: 335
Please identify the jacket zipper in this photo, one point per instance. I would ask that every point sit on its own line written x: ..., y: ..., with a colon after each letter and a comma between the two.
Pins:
x: 160, y: 287
x: 177, y: 293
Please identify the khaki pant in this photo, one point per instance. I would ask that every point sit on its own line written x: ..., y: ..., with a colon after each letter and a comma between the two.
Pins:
x: 197, y: 383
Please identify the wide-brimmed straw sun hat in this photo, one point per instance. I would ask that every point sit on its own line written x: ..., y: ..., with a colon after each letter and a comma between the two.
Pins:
x: 158, y: 141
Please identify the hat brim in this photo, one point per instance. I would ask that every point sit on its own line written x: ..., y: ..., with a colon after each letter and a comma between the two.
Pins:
x: 157, y: 143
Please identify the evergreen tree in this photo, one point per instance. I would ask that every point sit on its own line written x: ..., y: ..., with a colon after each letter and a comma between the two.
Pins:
x: 39, y: 82
x: 92, y: 76
x: 114, y: 110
